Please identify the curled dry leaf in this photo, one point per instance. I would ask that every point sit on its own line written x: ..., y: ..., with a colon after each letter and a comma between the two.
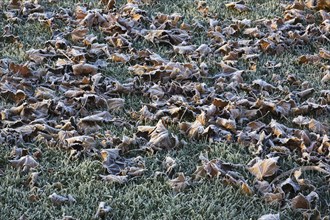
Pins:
x: 264, y: 168
x: 318, y: 5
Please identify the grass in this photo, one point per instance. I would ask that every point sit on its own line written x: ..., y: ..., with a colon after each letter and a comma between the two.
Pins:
x: 148, y: 197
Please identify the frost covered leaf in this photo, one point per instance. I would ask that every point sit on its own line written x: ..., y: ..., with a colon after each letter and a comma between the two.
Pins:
x: 114, y: 178
x: 33, y: 178
x: 169, y: 164
x: 227, y: 124
x: 264, y: 168
x: 184, y: 50
x: 318, y: 127
x: 180, y: 183
x: 239, y: 6
x: 301, y: 120
x: 59, y: 200
x: 26, y: 163
x: 159, y: 136
x: 270, y: 217
x: 84, y: 69
x: 102, y: 210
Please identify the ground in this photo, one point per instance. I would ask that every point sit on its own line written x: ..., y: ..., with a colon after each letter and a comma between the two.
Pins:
x: 151, y: 196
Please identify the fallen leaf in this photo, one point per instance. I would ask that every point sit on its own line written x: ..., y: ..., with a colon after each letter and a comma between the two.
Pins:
x: 59, y: 200
x: 180, y: 183
x: 26, y: 162
x: 264, y: 168
x: 239, y: 6
x: 300, y: 202
x: 84, y: 69
x: 114, y: 178
x: 102, y: 210
x: 270, y: 217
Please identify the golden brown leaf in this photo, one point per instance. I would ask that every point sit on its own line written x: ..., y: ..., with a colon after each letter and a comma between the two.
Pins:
x: 264, y: 168
x: 180, y: 183
x: 317, y: 127
x: 239, y: 6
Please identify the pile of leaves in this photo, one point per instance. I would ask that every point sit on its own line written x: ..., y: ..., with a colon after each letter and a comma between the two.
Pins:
x: 60, y: 98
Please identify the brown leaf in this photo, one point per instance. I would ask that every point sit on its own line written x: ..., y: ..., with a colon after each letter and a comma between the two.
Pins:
x: 79, y: 34
x: 80, y: 12
x: 300, y: 202
x: 318, y: 5
x: 317, y: 127
x: 84, y: 69
x: 22, y: 70
x: 246, y: 189
x: 180, y: 183
x: 159, y: 137
x: 309, y: 59
x: 272, y: 198
x: 120, y: 58
x: 239, y: 6
x: 227, y: 124
x: 325, y: 54
x: 264, y: 168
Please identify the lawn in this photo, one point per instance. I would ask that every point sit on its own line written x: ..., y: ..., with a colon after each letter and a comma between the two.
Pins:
x: 99, y: 100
